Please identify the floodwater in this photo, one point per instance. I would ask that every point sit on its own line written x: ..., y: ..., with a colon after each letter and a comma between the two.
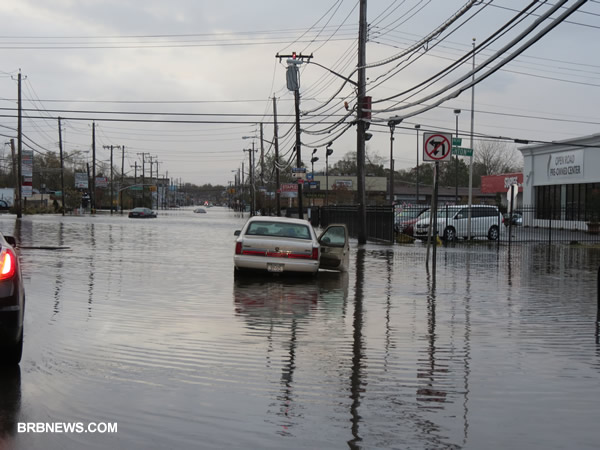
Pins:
x: 140, y: 323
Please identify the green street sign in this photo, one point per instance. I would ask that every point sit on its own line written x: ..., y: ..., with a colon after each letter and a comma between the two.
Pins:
x: 462, y: 151
x: 456, y: 142
x: 136, y: 188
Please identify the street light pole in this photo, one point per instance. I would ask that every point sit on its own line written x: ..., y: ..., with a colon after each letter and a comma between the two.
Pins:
x: 456, y: 112
x: 312, y: 162
x: 417, y: 126
x: 392, y: 124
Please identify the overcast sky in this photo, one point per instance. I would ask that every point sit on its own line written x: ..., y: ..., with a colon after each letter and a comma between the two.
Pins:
x: 212, y: 67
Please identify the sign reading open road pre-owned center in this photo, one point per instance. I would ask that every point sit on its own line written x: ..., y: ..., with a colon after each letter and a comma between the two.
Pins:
x: 437, y: 146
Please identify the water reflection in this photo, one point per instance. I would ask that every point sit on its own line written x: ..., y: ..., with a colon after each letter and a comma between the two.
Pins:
x: 428, y: 372
x: 282, y: 308
x: 264, y: 299
x: 10, y: 404
x: 58, y: 282
x: 356, y: 382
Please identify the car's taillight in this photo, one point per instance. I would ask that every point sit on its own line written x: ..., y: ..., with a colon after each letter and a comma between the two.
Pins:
x: 7, y: 264
x: 315, y: 253
x: 238, y: 248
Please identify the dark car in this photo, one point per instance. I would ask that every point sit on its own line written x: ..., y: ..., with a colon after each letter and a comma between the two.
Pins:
x: 142, y: 213
x: 12, y: 303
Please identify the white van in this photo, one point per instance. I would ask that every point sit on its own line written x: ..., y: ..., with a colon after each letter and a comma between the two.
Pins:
x: 452, y: 222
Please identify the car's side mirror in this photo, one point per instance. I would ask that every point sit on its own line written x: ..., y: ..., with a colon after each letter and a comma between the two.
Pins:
x: 11, y: 240
x: 237, y: 232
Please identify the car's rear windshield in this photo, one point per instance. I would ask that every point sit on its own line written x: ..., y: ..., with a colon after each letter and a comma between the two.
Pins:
x: 278, y: 229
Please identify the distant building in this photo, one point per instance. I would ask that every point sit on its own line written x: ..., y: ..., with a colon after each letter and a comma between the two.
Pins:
x: 500, y: 184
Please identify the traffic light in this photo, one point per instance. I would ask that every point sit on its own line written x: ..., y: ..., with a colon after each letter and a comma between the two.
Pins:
x: 293, y: 55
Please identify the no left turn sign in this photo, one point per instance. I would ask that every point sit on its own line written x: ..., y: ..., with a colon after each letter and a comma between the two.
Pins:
x: 437, y: 146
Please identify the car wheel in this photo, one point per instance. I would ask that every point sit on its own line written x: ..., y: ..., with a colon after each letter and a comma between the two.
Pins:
x: 11, y: 355
x: 493, y: 233
x: 449, y: 234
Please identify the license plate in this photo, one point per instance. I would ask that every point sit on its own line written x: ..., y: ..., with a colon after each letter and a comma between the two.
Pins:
x: 275, y: 267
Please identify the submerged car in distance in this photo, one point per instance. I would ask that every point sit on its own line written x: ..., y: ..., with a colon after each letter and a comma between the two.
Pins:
x: 12, y: 303
x: 142, y: 213
x: 283, y: 245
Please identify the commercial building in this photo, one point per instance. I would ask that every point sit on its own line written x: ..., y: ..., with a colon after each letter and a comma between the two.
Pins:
x: 499, y: 185
x: 561, y: 181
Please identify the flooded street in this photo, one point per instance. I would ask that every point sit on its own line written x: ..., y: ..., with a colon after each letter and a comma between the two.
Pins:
x: 140, y: 323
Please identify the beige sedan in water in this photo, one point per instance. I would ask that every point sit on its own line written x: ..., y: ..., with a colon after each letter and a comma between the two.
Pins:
x: 281, y: 244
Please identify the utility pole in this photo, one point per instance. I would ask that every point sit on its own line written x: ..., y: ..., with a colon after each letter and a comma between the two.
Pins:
x: 62, y: 167
x: 251, y: 170
x: 111, y: 180
x: 243, y: 193
x: 457, y: 113
x: 122, y: 174
x: 157, y: 184
x: 293, y: 84
x: 298, y: 149
x: 17, y: 202
x: 93, y: 168
x: 151, y: 199
x: 20, y: 148
x: 361, y: 124
x: 111, y: 147
x: 143, y: 178
x: 276, y: 142
x: 472, y: 147
x: 135, y: 166
x: 262, y: 157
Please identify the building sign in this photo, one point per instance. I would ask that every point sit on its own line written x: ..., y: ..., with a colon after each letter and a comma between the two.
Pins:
x: 289, y: 187
x: 27, y: 163
x: 101, y: 182
x: 493, y: 184
x: 566, y: 165
x: 347, y: 184
x: 81, y: 180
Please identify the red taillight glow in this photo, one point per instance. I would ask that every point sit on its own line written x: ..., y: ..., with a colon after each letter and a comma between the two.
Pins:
x: 7, y: 264
x: 238, y: 248
x: 315, y: 254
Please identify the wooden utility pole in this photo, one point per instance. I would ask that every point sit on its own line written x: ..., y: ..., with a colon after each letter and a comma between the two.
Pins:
x: 276, y: 142
x: 361, y: 125
x: 62, y: 167
x: 262, y: 156
x: 143, y: 178
x: 19, y: 148
x: 17, y: 200
x: 111, y: 180
x: 122, y: 174
x: 298, y: 149
x: 93, y: 168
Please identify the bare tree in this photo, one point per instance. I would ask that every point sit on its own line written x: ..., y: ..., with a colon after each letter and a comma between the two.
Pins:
x: 496, y: 157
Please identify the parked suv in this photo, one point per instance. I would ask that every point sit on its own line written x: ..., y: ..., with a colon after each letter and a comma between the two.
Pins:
x: 452, y: 222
